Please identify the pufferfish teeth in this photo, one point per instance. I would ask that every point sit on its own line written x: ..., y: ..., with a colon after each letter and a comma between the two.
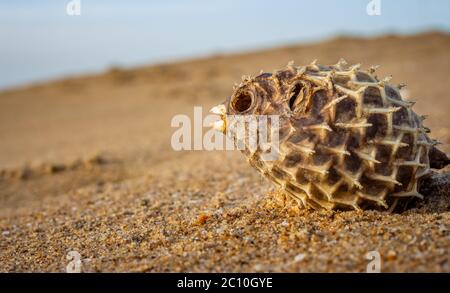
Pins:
x: 219, y: 125
x: 219, y: 109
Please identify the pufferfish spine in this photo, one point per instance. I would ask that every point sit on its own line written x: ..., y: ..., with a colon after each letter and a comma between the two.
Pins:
x: 346, y: 139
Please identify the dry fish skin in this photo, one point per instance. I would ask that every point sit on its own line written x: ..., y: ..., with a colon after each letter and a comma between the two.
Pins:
x: 347, y: 140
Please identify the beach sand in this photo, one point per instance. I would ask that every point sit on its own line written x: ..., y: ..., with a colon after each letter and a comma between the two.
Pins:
x: 86, y: 165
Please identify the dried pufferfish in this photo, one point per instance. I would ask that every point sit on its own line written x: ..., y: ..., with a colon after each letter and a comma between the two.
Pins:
x: 346, y: 139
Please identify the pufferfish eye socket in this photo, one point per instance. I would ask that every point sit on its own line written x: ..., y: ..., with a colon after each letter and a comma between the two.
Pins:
x: 242, y: 102
x: 295, y: 97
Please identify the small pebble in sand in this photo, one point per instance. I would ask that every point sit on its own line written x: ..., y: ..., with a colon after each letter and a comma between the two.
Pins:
x: 299, y: 257
x: 391, y: 255
x: 202, y: 219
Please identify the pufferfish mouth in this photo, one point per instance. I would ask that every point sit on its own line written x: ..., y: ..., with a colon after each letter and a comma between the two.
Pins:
x: 221, y: 124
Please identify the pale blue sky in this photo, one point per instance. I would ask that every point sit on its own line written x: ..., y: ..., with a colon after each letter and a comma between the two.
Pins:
x: 39, y: 41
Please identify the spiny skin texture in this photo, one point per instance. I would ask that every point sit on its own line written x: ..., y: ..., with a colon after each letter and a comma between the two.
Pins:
x: 346, y: 139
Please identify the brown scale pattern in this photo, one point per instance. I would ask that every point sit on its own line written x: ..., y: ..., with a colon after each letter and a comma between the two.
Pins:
x: 347, y: 139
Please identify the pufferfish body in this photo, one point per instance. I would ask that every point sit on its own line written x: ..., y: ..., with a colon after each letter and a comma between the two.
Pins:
x: 347, y: 140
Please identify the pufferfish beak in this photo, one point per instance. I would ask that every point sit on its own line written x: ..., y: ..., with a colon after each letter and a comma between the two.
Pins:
x: 220, y: 110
